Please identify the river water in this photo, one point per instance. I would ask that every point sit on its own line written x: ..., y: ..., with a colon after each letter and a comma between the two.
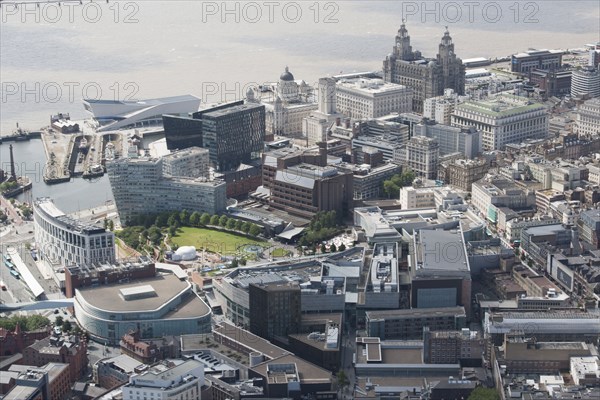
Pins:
x: 78, y: 194
x: 50, y: 60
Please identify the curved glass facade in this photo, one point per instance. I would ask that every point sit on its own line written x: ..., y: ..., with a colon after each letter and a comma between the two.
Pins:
x: 185, y: 313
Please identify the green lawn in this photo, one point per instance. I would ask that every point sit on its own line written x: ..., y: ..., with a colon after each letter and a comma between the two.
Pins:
x: 279, y: 252
x: 212, y: 240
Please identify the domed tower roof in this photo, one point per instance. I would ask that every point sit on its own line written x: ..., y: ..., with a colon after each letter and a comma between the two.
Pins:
x: 250, y: 94
x: 287, y: 75
x: 447, y: 39
x: 403, y: 32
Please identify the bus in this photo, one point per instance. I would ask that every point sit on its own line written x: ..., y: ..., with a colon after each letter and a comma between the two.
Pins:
x: 9, y: 264
x: 15, y: 273
x: 6, y: 257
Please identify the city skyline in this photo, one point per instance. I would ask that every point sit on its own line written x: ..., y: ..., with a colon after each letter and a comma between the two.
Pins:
x: 300, y: 200
x: 216, y: 83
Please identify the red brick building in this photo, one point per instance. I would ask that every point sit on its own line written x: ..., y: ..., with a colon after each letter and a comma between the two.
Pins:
x: 14, y: 342
x: 141, y: 351
x: 72, y: 351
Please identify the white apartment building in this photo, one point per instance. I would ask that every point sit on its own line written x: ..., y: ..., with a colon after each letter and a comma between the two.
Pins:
x: 503, y: 119
x: 192, y: 162
x: 585, y: 82
x: 515, y: 226
x: 496, y: 191
x: 364, y: 98
x: 439, y: 197
x: 286, y: 119
x: 422, y: 155
x: 63, y: 240
x: 440, y: 108
x: 452, y: 139
x: 588, y: 117
x: 316, y: 124
x: 594, y: 174
x: 557, y: 176
x: 540, y: 171
x: 411, y: 197
x: 182, y: 382
x: 585, y: 370
x: 368, y: 182
x: 566, y: 211
x: 141, y: 187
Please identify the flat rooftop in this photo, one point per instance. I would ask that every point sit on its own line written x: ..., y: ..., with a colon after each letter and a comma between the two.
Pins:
x: 544, y: 230
x: 123, y: 362
x: 555, y: 314
x: 166, y: 287
x: 250, y: 340
x: 298, y: 272
x: 231, y: 110
x: 389, y: 352
x: 148, y: 102
x: 501, y: 106
x: 441, y: 250
x: 375, y: 386
x: 372, y: 86
x: 93, y: 270
x: 401, y: 356
x: 308, y: 372
x: 562, y: 346
x: 416, y: 313
x: 20, y: 392
x: 47, y: 206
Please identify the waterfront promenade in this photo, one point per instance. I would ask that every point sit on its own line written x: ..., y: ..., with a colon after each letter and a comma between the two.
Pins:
x: 11, y: 211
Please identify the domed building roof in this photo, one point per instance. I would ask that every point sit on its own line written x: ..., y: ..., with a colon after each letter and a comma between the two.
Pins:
x: 186, y: 253
x: 250, y: 94
x: 287, y: 75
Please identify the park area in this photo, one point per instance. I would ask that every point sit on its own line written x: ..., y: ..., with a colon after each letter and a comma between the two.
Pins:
x: 224, y: 243
x: 279, y: 252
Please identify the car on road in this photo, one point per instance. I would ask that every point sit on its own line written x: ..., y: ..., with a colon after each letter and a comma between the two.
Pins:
x: 56, y: 311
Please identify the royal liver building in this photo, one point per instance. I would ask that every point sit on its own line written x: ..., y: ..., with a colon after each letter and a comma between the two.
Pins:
x: 427, y: 76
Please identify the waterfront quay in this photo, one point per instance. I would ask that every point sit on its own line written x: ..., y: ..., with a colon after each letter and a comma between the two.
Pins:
x: 76, y: 154
x: 58, y: 149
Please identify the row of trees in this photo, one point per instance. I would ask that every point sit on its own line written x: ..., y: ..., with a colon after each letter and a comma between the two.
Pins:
x: 176, y: 219
x: 526, y: 259
x: 199, y: 220
x: 131, y: 235
x: 333, y: 248
x: 8, y: 185
x: 65, y: 325
x: 151, y: 229
x: 109, y: 224
x: 392, y: 186
x: 481, y: 393
x: 324, y: 225
x: 137, y: 236
x: 26, y: 211
x: 29, y: 323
